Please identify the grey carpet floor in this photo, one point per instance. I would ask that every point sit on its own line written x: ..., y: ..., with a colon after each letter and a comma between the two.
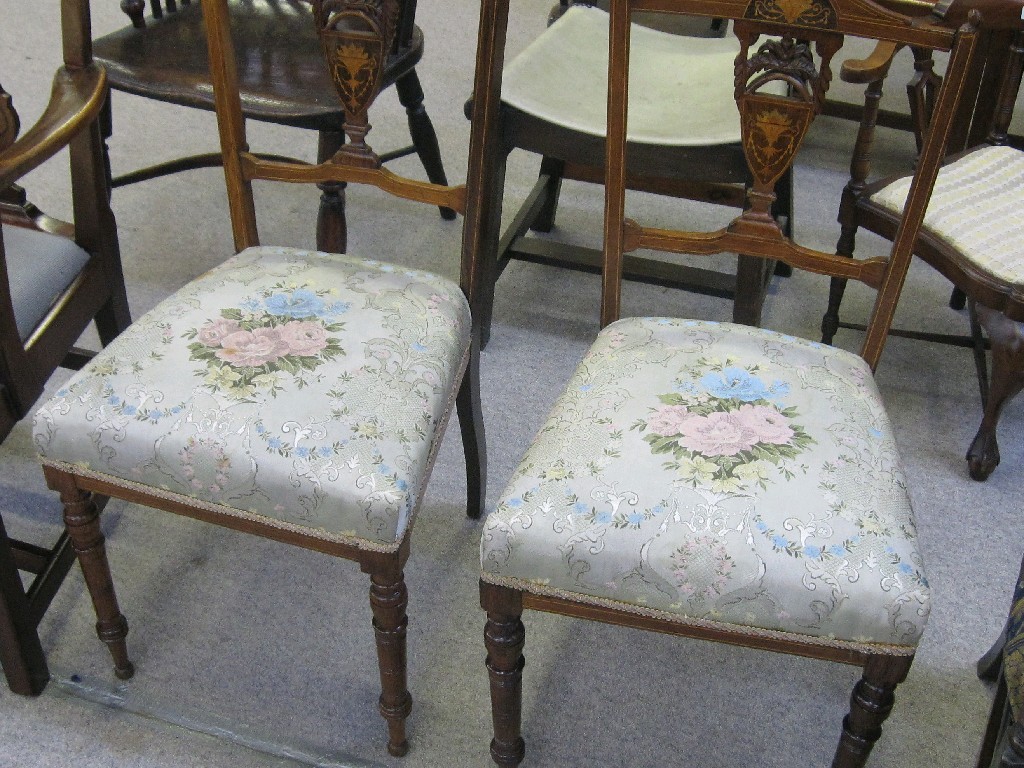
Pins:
x: 255, y: 653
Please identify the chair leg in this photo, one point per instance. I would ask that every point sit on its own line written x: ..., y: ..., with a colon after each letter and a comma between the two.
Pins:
x: 554, y: 169
x: 82, y: 520
x: 870, y: 705
x: 331, y: 229
x: 504, y: 636
x: 471, y: 424
x: 752, y: 276
x: 21, y: 653
x: 424, y: 138
x: 1007, y: 379
x: 389, y: 599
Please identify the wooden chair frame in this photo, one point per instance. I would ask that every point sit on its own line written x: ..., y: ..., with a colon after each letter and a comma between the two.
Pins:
x: 755, y: 232
x: 360, y: 26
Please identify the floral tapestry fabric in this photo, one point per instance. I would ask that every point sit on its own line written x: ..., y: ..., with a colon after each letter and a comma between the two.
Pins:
x: 302, y: 387
x: 718, y: 473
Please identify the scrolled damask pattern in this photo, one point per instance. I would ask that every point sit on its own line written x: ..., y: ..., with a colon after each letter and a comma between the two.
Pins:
x: 718, y: 474
x: 296, y: 386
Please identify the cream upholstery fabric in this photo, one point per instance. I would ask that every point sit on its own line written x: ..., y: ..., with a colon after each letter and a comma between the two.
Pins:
x: 681, y: 90
x: 298, y: 388
x: 718, y: 474
x: 977, y: 208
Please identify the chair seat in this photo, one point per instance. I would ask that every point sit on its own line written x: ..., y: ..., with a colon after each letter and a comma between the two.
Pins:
x: 295, y: 388
x: 694, y: 471
x: 975, y: 207
x: 40, y: 266
x: 675, y: 98
x: 168, y: 61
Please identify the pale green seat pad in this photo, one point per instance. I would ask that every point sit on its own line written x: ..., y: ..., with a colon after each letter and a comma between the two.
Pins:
x: 976, y: 208
x: 722, y: 475
x: 681, y: 88
x: 293, y: 387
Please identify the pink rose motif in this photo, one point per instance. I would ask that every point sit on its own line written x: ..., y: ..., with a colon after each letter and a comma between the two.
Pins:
x: 252, y: 348
x: 717, y: 434
x: 215, y: 331
x: 669, y: 419
x: 765, y: 423
x: 303, y: 337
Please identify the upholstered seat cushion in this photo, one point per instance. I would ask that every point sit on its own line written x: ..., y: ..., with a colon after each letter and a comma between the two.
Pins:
x: 299, y: 388
x: 718, y: 474
x: 680, y: 92
x: 40, y: 267
x: 976, y: 208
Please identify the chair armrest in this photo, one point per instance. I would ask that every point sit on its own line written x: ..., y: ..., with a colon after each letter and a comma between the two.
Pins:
x: 75, y: 101
x: 874, y: 67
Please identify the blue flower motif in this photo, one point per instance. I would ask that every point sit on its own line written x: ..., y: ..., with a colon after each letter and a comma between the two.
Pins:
x: 761, y: 525
x: 836, y: 550
x: 688, y: 388
x: 385, y: 469
x: 875, y: 432
x: 603, y: 517
x: 130, y: 410
x: 252, y: 304
x: 299, y: 303
x: 516, y: 502
x: 114, y: 400
x: 62, y: 392
x: 302, y: 452
x: 812, y: 551
x: 736, y: 383
x: 657, y: 509
x: 635, y: 518
x: 779, y: 541
x: 905, y: 568
x: 401, y: 485
x: 586, y: 387
x: 324, y: 451
x: 176, y: 410
x: 154, y: 415
x: 580, y: 508
x: 417, y: 347
x: 260, y: 429
x: 274, y: 443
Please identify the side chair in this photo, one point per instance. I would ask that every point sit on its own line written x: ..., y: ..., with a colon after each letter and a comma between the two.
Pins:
x: 281, y: 80
x: 56, y: 278
x: 684, y: 141
x: 295, y: 395
x: 972, y: 232
x: 714, y: 480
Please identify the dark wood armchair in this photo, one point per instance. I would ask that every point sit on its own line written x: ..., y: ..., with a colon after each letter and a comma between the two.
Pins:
x: 55, y: 279
x: 973, y: 231
x: 282, y: 81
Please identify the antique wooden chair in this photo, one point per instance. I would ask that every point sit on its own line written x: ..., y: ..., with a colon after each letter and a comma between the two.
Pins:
x: 971, y: 234
x: 295, y: 395
x: 715, y: 480
x: 1003, y: 744
x: 56, y: 278
x: 164, y: 58
x: 684, y: 142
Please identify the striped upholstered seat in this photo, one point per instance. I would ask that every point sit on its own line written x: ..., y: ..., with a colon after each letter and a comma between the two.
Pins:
x: 975, y: 209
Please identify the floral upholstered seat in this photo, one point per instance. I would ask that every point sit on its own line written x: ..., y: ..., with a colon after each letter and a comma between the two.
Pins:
x: 296, y: 387
x: 716, y: 474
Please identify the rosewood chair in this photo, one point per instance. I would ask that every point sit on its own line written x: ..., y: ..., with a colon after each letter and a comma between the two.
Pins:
x: 714, y: 480
x: 972, y: 233
x: 295, y: 395
x: 56, y: 278
x: 684, y: 142
x: 1003, y: 744
x: 282, y: 81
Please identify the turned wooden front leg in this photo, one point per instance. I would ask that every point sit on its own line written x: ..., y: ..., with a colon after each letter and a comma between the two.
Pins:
x: 504, y: 637
x: 389, y: 600
x: 870, y: 705
x: 82, y: 520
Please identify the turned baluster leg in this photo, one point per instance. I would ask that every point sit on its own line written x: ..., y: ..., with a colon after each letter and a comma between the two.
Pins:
x: 471, y: 424
x: 331, y: 229
x: 389, y: 600
x: 504, y: 636
x: 870, y: 705
x: 82, y: 520
x: 424, y: 137
x: 1006, y: 380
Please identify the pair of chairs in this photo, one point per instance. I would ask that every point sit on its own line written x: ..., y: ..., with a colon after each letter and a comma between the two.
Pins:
x: 660, y: 493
